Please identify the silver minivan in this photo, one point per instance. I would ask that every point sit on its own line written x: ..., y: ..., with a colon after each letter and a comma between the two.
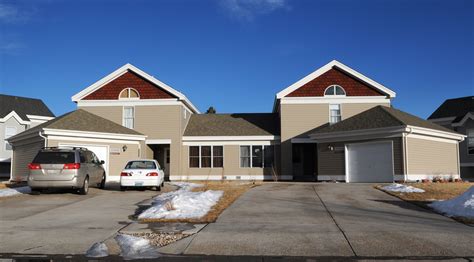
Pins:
x: 66, y: 167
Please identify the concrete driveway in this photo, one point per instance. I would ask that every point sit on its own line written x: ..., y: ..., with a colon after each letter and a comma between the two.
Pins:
x: 62, y: 222
x: 356, y: 220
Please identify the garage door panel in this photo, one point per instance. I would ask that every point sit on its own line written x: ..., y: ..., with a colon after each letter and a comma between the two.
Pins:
x: 102, y: 153
x: 370, y: 162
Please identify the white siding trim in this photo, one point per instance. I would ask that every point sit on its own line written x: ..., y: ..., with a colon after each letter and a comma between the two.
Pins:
x: 336, y: 100
x: 96, y: 140
x: 230, y: 138
x: 158, y: 141
x: 16, y: 116
x: 135, y: 102
x: 84, y: 134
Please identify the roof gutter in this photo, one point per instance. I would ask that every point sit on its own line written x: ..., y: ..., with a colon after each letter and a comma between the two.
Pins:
x: 40, y: 133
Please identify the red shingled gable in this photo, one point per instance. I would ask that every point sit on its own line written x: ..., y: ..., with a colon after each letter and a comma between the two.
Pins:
x: 353, y: 86
x: 146, y: 89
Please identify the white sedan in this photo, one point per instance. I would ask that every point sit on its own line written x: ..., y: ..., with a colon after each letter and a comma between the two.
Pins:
x: 142, y: 173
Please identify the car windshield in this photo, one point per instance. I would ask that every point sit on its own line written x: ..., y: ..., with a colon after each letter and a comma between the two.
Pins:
x: 141, y: 165
x: 54, y: 158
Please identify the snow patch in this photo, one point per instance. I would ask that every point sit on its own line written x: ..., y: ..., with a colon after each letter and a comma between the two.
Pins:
x: 15, y: 191
x: 98, y: 250
x: 460, y: 206
x: 402, y: 188
x: 135, y: 247
x: 182, y: 203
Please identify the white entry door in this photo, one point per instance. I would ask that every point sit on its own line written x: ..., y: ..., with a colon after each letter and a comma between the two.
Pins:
x: 369, y: 162
x: 102, y: 153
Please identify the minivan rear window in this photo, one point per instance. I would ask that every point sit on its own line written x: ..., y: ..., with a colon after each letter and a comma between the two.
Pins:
x: 140, y: 165
x: 54, y: 158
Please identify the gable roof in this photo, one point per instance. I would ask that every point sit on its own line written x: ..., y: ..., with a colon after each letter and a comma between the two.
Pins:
x: 80, y: 120
x: 326, y: 68
x: 124, y: 69
x: 455, y: 107
x: 380, y: 117
x: 23, y: 106
x: 249, y: 124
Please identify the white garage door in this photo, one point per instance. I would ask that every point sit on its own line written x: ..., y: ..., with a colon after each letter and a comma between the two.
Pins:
x: 102, y: 152
x: 369, y: 162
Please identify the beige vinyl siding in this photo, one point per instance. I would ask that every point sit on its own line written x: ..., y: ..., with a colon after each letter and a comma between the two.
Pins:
x: 231, y: 165
x: 333, y: 162
x: 349, y: 110
x: 112, y: 113
x: 427, y: 157
x: 23, y: 153
x: 117, y: 161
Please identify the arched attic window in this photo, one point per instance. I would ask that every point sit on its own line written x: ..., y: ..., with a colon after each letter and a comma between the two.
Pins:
x: 129, y: 93
x: 334, y: 90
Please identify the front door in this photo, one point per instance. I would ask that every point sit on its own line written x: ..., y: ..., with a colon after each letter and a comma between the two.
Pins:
x: 167, y: 162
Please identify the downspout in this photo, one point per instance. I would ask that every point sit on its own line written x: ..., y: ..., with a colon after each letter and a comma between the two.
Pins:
x: 406, y: 152
x: 45, y: 138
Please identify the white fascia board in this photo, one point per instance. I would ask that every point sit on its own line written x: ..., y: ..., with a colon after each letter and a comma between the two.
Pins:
x: 464, y: 119
x: 229, y: 142
x: 75, y: 133
x: 158, y: 141
x: 82, y: 140
x: 41, y: 118
x: 230, y: 138
x: 364, y: 132
x: 326, y: 68
x: 143, y: 74
x: 336, y: 100
x: 435, y: 133
x: 143, y: 102
x: 16, y: 116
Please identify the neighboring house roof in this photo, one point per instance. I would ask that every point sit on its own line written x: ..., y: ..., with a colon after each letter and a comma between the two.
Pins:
x: 23, y: 106
x: 379, y: 117
x: 340, y: 66
x: 123, y: 70
x: 80, y: 120
x: 455, y: 107
x: 250, y: 124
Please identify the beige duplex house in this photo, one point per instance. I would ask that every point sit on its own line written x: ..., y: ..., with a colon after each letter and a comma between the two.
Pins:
x: 330, y: 125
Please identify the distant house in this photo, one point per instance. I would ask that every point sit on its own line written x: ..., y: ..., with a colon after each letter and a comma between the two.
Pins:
x: 458, y: 114
x: 18, y: 114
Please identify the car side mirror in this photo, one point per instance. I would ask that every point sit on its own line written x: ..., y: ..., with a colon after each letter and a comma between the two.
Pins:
x: 102, y: 162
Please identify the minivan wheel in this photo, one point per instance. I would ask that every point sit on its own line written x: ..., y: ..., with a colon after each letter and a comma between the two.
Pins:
x: 85, y: 187
x: 102, y: 183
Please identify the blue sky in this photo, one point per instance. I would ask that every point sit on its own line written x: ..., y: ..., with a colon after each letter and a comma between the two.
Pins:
x: 237, y: 54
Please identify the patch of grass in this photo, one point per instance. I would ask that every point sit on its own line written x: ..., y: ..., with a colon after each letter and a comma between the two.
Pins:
x: 11, y: 185
x: 433, y: 192
x: 232, y: 190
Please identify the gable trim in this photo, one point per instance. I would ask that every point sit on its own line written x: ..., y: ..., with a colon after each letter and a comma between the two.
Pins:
x: 122, y: 70
x: 16, y: 116
x: 464, y: 119
x: 328, y: 67
x: 336, y: 100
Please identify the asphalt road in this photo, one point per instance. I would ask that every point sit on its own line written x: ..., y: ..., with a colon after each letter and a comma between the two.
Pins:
x: 333, y: 220
x: 63, y: 222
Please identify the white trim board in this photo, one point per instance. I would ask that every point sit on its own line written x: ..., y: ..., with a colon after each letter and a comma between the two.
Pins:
x: 328, y: 67
x: 92, y: 140
x: 122, y: 70
x: 158, y: 141
x: 464, y: 119
x: 335, y: 100
x: 226, y: 143
x: 142, y: 102
x: 230, y: 138
x: 86, y: 134
x: 16, y: 116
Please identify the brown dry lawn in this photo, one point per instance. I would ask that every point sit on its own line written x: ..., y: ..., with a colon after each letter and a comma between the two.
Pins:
x: 232, y: 191
x: 433, y: 191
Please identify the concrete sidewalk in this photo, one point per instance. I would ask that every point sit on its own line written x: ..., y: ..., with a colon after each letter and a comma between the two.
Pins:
x: 330, y: 220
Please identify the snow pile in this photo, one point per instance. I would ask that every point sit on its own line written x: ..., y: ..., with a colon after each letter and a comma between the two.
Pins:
x: 182, y: 203
x: 15, y: 191
x: 461, y: 206
x: 135, y: 247
x: 98, y: 250
x: 402, y: 188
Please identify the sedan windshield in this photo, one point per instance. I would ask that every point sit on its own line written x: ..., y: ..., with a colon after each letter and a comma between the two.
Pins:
x: 140, y: 165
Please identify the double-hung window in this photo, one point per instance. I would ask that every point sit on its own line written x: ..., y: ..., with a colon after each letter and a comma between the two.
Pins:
x: 334, y: 113
x: 470, y: 141
x: 129, y: 117
x: 206, y: 156
x: 9, y: 132
x: 256, y: 156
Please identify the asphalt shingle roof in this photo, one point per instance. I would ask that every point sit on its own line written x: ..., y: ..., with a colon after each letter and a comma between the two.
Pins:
x: 81, y: 120
x: 379, y: 117
x: 456, y: 107
x: 23, y: 106
x: 249, y: 124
